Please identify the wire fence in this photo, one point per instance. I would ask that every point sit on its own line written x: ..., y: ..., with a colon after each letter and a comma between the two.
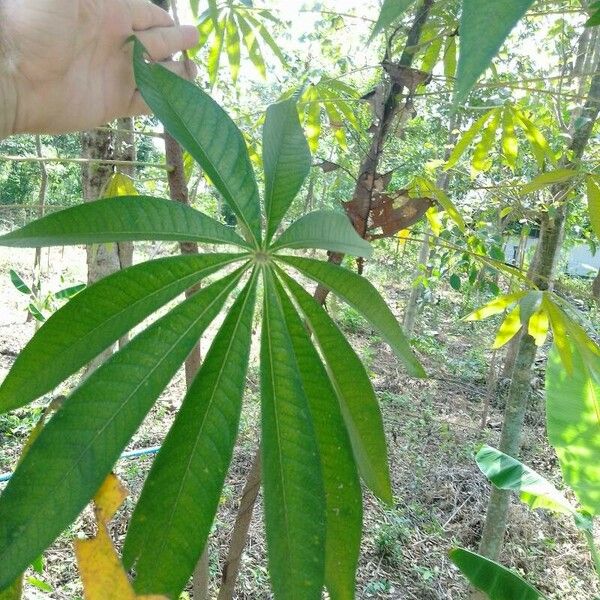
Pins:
x: 17, y: 215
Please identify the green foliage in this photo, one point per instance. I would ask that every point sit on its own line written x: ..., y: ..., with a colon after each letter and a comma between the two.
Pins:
x: 507, y: 473
x: 496, y: 581
x: 573, y: 418
x: 230, y: 26
x: 483, y: 29
x: 391, y: 11
x: 321, y: 424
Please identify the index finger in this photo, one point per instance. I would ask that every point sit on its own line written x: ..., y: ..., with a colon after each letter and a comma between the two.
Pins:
x: 145, y: 15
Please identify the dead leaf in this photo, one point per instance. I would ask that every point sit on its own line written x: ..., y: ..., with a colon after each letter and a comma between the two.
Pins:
x: 328, y: 166
x: 406, y: 76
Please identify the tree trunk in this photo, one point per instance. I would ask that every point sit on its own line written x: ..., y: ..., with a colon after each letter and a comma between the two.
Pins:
x: 102, y: 259
x: 541, y: 273
x: 365, y: 185
x: 125, y: 150
x: 37, y: 261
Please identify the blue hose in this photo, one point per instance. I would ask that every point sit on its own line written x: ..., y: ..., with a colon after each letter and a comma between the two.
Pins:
x: 129, y: 454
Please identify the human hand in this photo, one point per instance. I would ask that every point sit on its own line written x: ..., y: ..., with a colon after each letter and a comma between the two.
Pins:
x: 66, y: 65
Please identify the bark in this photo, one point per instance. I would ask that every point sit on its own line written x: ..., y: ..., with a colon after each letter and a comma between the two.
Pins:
x: 37, y: 261
x: 541, y: 273
x: 364, y: 189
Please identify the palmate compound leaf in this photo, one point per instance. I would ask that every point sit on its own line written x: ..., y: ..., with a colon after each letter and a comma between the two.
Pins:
x: 292, y: 477
x: 97, y: 317
x: 363, y: 297
x: 174, y: 514
x: 496, y: 581
x: 324, y: 229
x: 353, y: 388
x: 78, y: 447
x: 207, y: 132
x: 343, y: 500
x: 124, y: 218
x: 286, y: 160
x: 573, y: 419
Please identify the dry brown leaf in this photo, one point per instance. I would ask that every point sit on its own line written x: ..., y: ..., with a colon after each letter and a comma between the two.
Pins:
x: 406, y: 76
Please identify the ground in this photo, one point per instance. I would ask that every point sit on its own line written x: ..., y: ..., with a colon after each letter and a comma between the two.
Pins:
x: 433, y: 428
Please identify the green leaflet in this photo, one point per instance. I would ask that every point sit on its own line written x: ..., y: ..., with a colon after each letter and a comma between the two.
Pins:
x: 546, y: 179
x: 390, y: 12
x: 593, y: 198
x: 124, y: 218
x: 343, y: 499
x: 573, y: 420
x: 286, y: 160
x: 466, y: 139
x: 97, y: 317
x: 252, y: 46
x: 362, y: 296
x: 496, y: 581
x: 510, y: 142
x: 214, y: 54
x: 266, y: 36
x: 481, y: 155
x: 175, y: 512
x: 483, y: 28
x: 207, y: 132
x: 78, y: 447
x: 292, y: 479
x: 324, y: 229
x: 507, y: 473
x: 232, y: 43
x: 354, y: 391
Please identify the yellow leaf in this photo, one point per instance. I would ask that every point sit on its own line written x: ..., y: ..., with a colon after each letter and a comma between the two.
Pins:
x: 433, y: 216
x: 110, y: 496
x: 120, y: 185
x: 101, y: 570
x: 558, y: 321
x: 538, y: 326
x: 494, y: 307
x: 508, y: 329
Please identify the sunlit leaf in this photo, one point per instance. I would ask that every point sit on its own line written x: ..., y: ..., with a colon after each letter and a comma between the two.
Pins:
x: 548, y: 178
x: 232, y: 44
x: 508, y: 328
x: 573, y: 421
x: 495, y: 307
x: 482, y: 160
x: 538, y: 326
x: 593, y: 198
x: 251, y: 43
x: 466, y: 140
x: 507, y: 473
x: 510, y: 142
